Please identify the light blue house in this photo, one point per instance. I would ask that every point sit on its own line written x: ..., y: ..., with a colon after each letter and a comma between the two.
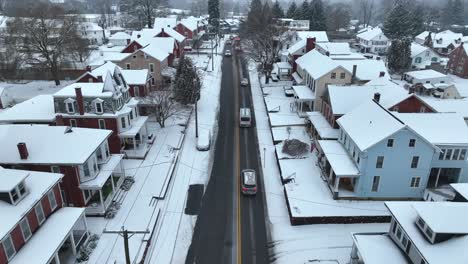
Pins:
x: 384, y: 155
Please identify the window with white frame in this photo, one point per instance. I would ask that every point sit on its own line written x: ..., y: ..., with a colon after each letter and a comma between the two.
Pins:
x: 390, y: 142
x: 448, y: 154
x: 99, y: 106
x: 412, y: 143
x: 122, y: 121
x: 86, y: 169
x: 151, y: 67
x: 39, y: 213
x: 52, y: 200
x: 456, y: 153
x: 73, y: 123
x: 379, y: 163
x: 25, y: 229
x: 8, y: 247
x: 375, y: 184
x: 102, y: 124
x: 414, y: 162
x: 415, y: 181
x: 70, y: 105
x: 462, y: 154
x: 136, y: 91
x: 333, y: 75
x: 55, y: 169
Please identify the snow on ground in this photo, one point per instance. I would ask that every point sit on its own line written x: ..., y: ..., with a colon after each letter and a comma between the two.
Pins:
x: 297, y: 244
x: 24, y: 90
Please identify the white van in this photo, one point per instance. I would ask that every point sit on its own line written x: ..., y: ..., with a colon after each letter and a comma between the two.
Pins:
x: 245, y: 117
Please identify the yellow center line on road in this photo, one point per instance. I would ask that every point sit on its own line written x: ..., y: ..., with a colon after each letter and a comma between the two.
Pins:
x: 237, y: 157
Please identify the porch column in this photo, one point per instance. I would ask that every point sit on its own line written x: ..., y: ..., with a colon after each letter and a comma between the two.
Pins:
x: 72, y: 238
x: 330, y: 175
x: 337, y: 183
x: 56, y: 258
x: 134, y: 143
x: 102, y: 199
x: 112, y: 182
x: 437, y: 178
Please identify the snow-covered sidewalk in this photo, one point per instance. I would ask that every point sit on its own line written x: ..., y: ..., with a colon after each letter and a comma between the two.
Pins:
x: 296, y: 244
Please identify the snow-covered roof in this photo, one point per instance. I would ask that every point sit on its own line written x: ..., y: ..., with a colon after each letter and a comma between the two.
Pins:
x: 370, y: 33
x: 437, y: 128
x: 155, y: 51
x: 335, y: 48
x: 50, y: 144
x: 37, y: 184
x: 417, y: 49
x: 297, y: 46
x: 366, y: 69
x: 87, y: 90
x: 190, y: 23
x: 166, y: 44
x: 98, y: 57
x: 324, y: 129
x: 135, y: 77
x: 445, y: 38
x: 120, y: 35
x: 320, y: 36
x: 165, y: 22
x: 378, y: 249
x: 317, y: 64
x: 108, y: 67
x: 339, y: 158
x: 36, y: 109
x: 369, y: 124
x: 344, y: 99
x: 46, y: 241
x: 461, y: 188
x: 426, y: 74
x: 449, y: 251
x: 444, y: 218
x: 104, y: 173
x: 448, y: 105
x: 303, y: 92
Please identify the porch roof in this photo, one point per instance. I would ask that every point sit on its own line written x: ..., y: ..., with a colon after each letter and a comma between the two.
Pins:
x: 324, y: 129
x: 104, y: 174
x: 338, y: 157
x: 138, y: 123
x: 378, y: 249
x: 297, y: 78
x: 303, y: 93
x: 48, y: 239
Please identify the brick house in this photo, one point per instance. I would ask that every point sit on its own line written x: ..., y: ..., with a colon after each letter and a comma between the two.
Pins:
x: 105, y: 106
x: 458, y: 62
x: 92, y: 176
x: 34, y: 224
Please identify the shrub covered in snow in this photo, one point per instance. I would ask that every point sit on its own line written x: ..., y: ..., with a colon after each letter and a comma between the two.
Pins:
x: 127, y: 184
x: 112, y: 210
x: 294, y: 147
x: 86, y: 249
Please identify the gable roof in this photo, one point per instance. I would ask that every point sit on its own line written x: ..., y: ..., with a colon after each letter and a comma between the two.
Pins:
x: 165, y: 22
x: 37, y: 109
x: 366, y: 69
x: 135, y: 77
x: 335, y: 48
x: 155, y: 51
x: 50, y: 144
x: 417, y: 49
x: 120, y: 35
x: 320, y: 36
x: 447, y: 37
x: 369, y: 124
x: 317, y: 64
x: 370, y: 34
x: 190, y: 23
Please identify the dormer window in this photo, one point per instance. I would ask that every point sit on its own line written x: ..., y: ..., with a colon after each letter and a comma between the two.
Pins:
x: 70, y: 105
x: 15, y: 195
x: 99, y: 106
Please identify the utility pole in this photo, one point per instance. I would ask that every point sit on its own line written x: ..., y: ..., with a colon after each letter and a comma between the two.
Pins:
x: 124, y: 233
x: 196, y: 119
x: 212, y: 57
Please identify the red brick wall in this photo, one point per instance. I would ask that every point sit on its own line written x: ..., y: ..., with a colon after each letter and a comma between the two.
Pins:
x: 86, y: 78
x: 70, y: 185
x: 46, y: 206
x: 458, y: 55
x: 141, y: 90
x: 411, y: 105
x: 134, y: 46
x: 111, y: 124
x: 184, y: 31
x: 58, y: 196
x: 17, y: 237
x: 3, y: 259
x: 32, y: 219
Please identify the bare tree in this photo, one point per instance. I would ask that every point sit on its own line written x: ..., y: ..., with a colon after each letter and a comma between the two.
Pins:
x: 367, y: 9
x: 162, y: 105
x: 46, y: 35
x: 146, y: 9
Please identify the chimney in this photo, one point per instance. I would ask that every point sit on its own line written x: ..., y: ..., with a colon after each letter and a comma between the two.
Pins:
x: 382, y: 74
x: 88, y: 68
x: 162, y: 30
x: 23, y: 150
x: 327, y: 53
x: 138, y: 36
x: 79, y: 100
x: 59, y: 120
x: 128, y: 42
x: 99, y: 78
x: 377, y: 97
x: 310, y: 44
x: 353, y: 77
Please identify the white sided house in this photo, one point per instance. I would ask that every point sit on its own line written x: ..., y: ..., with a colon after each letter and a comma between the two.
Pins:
x: 373, y: 41
x: 422, y: 57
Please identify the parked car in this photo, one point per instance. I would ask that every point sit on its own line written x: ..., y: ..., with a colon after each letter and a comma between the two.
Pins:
x: 288, y: 91
x: 204, y: 140
x: 274, y: 78
x: 238, y: 48
x: 228, y: 42
x: 244, y: 82
x: 248, y: 182
x: 227, y: 53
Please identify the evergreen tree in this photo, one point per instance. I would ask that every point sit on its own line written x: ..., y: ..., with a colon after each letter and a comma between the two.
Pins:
x: 187, y: 83
x: 447, y: 18
x: 277, y: 10
x: 254, y: 20
x: 399, y: 22
x: 303, y: 13
x: 399, y: 55
x: 457, y: 13
x: 419, y: 15
x: 213, y: 12
x: 318, y: 21
x: 292, y: 10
